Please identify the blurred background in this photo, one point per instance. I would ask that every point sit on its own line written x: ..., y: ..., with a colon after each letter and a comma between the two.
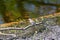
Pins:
x: 15, y: 10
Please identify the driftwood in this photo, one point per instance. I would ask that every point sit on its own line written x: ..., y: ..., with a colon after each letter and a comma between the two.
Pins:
x: 8, y: 24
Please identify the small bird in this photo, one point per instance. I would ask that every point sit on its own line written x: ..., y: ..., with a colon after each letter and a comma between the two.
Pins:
x: 31, y: 21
